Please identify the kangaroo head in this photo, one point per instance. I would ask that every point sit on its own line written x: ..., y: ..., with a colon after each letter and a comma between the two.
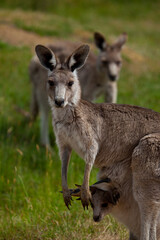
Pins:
x: 62, y: 84
x: 105, y: 196
x: 109, y: 59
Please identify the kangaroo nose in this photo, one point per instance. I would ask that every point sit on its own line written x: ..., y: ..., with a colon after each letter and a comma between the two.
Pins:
x: 112, y: 77
x: 59, y: 102
x: 96, y: 218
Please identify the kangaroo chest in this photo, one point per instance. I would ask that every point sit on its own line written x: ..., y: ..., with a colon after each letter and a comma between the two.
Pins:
x: 113, y: 137
x: 74, y: 135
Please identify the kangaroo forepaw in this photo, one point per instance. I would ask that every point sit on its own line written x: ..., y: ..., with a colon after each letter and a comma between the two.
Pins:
x: 67, y: 199
x: 85, y: 199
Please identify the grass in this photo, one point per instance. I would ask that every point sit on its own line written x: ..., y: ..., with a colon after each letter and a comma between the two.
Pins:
x: 31, y: 206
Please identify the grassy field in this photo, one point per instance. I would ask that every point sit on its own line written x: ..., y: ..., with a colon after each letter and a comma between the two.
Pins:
x: 31, y: 206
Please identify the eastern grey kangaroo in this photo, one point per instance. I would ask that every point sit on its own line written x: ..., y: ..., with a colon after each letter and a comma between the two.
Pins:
x: 99, y: 76
x: 109, y: 197
x: 122, y: 140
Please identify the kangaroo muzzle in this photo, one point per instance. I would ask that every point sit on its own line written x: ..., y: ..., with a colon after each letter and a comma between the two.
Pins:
x: 113, y: 72
x: 59, y: 102
x: 97, y: 218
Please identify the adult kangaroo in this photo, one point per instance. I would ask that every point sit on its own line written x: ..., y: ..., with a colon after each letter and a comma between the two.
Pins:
x: 99, y: 76
x: 121, y: 140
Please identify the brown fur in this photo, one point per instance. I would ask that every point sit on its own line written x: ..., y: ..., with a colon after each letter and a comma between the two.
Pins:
x: 94, y: 78
x: 110, y: 136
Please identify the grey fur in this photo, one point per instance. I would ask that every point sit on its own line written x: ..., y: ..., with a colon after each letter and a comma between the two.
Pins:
x: 122, y: 140
x: 94, y: 78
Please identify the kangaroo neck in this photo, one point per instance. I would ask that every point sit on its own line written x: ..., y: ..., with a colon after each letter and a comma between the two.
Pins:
x: 65, y: 115
x: 101, y: 75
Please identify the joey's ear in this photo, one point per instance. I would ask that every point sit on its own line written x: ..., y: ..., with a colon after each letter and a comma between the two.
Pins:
x: 111, y: 192
x: 104, y: 184
x: 100, y: 41
x: 78, y: 57
x: 121, y: 41
x: 112, y: 196
x: 46, y: 57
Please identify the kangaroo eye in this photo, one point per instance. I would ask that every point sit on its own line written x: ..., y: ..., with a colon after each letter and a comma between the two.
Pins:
x: 104, y: 205
x: 105, y: 62
x: 70, y: 83
x: 118, y: 62
x: 51, y: 83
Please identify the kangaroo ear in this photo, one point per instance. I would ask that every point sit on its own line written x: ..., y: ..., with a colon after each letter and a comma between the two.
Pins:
x: 46, y: 57
x: 112, y: 196
x: 78, y: 57
x: 104, y: 184
x: 121, y: 41
x: 100, y: 41
x: 111, y: 192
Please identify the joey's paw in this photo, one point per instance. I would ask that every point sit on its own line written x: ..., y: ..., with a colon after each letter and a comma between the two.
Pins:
x: 85, y: 198
x: 67, y: 199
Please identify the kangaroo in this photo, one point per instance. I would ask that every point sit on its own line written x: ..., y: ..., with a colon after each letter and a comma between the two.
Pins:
x: 108, y: 198
x: 99, y: 76
x: 121, y: 139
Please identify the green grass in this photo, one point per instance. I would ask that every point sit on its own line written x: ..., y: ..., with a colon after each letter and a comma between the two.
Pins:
x: 31, y: 206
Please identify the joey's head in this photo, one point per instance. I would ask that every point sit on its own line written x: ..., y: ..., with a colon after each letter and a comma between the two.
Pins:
x: 62, y: 84
x: 105, y: 195
x: 109, y: 59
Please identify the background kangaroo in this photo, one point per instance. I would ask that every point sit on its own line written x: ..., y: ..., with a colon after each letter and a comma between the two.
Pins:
x: 122, y: 140
x: 99, y: 76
